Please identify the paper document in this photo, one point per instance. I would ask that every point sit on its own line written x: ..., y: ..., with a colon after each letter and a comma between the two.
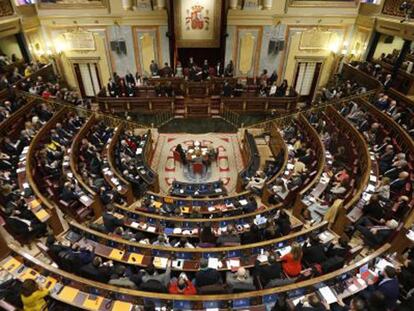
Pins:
x: 328, y: 295
x: 213, y: 263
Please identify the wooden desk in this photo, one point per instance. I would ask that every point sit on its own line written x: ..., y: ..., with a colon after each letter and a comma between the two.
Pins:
x: 255, y: 298
x: 91, y: 199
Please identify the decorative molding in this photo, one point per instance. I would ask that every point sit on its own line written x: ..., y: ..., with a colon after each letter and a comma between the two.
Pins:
x: 6, y: 8
x: 324, y: 3
x: 392, y: 7
x: 314, y: 39
x: 73, y: 4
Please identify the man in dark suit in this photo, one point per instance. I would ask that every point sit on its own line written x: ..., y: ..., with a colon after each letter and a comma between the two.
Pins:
x: 388, y: 286
x: 24, y: 226
x: 398, y: 184
x: 376, y: 235
x: 110, y: 221
x: 130, y: 79
x: 207, y: 276
x: 270, y: 271
x: 314, y: 253
x: 94, y: 271
x: 167, y: 70
x: 68, y: 194
x: 154, y: 68
x: 315, y: 304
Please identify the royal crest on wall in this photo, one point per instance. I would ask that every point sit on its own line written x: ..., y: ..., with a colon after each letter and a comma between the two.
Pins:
x: 197, y: 23
x: 197, y: 18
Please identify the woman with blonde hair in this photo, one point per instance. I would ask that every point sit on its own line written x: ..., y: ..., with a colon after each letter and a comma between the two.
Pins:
x: 292, y: 261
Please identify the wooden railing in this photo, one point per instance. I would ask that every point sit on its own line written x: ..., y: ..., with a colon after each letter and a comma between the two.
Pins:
x: 134, y: 297
x: 363, y: 165
x: 112, y: 163
x: 54, y: 221
x: 97, y: 205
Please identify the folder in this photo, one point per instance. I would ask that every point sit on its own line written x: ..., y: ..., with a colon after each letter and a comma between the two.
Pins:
x: 12, y: 264
x: 121, y: 306
x: 68, y: 293
x: 185, y: 209
x: 35, y: 203
x: 93, y: 302
x: 41, y: 214
x: 116, y: 254
x: 29, y: 273
x: 157, y: 204
x: 160, y: 262
x: 135, y: 258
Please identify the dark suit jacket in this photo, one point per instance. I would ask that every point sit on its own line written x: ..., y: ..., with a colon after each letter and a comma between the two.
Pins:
x: 89, y: 271
x: 300, y: 307
x: 17, y: 226
x: 111, y: 222
x: 67, y: 195
x: 207, y: 277
x: 391, y: 291
x: 314, y: 254
x: 268, y: 272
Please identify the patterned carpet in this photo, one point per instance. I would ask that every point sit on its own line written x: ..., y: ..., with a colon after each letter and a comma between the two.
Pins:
x: 228, y: 163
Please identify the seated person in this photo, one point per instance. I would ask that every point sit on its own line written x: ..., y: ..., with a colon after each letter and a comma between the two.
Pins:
x: 151, y: 280
x: 398, y: 184
x: 162, y: 240
x: 314, y: 251
x: 256, y: 182
x: 68, y: 192
x: 23, y: 224
x: 270, y: 273
x: 240, y: 280
x: 230, y: 237
x: 110, y: 221
x: 376, y: 235
x: 340, y: 249
x: 279, y: 191
x: 315, y: 304
x: 183, y: 243
x: 119, y: 278
x: 206, y: 235
x: 292, y: 262
x: 182, y: 285
x: 387, y: 285
x: 95, y: 271
x: 207, y: 276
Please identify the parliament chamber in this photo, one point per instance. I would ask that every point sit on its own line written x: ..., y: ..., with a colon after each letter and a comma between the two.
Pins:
x: 206, y: 155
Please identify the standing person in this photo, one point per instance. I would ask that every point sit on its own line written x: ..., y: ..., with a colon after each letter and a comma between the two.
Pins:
x: 33, y: 297
x: 205, y: 70
x: 219, y: 69
x: 167, y: 70
x: 130, y: 79
x: 154, y: 68
x: 229, y: 71
x: 179, y: 70
x: 281, y: 90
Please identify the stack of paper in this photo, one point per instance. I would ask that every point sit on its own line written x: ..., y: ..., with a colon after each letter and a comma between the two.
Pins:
x: 160, y: 262
x: 233, y: 264
x: 328, y: 295
x: 213, y: 263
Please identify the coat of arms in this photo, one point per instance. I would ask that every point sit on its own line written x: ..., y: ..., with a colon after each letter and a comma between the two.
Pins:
x: 196, y: 19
